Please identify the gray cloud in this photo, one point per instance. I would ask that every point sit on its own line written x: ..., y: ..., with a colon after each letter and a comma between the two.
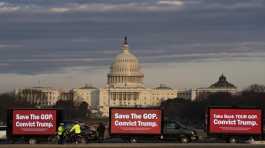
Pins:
x: 72, y: 6
x: 46, y: 36
x: 75, y: 6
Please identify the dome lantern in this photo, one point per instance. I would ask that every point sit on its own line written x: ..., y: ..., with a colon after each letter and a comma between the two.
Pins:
x: 125, y: 40
x: 125, y: 46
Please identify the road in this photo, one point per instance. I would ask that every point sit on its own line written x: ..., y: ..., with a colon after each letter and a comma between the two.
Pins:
x: 137, y: 145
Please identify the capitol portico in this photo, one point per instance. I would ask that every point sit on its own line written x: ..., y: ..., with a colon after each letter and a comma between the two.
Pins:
x: 125, y: 86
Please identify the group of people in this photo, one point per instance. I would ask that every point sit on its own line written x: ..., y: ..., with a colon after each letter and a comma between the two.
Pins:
x: 76, y: 131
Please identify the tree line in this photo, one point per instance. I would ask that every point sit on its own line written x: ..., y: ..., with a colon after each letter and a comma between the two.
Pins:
x: 187, y: 111
x: 71, y: 109
x: 193, y: 112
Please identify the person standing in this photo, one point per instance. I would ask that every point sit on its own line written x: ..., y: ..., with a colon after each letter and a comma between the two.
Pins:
x: 100, y: 132
x: 60, y: 133
x: 76, y: 129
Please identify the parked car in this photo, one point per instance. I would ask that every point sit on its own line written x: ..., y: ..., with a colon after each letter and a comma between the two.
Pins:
x: 174, y: 130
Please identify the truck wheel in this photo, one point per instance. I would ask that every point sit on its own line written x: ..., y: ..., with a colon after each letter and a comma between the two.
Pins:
x: 232, y: 140
x: 251, y: 140
x: 52, y: 140
x: 32, y: 141
x: 133, y: 140
x: 184, y: 140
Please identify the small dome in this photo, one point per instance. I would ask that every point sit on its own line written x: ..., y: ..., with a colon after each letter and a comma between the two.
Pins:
x: 163, y: 86
x: 88, y: 87
x: 222, y: 83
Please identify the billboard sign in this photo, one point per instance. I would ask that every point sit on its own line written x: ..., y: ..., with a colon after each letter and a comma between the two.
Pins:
x: 135, y: 121
x: 245, y: 121
x: 34, y: 121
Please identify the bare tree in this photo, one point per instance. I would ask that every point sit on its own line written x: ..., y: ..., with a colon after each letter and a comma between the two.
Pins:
x: 257, y: 88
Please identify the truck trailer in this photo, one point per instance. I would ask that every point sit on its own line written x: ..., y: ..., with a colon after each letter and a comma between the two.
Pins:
x: 134, y: 124
x: 234, y: 124
x: 27, y: 125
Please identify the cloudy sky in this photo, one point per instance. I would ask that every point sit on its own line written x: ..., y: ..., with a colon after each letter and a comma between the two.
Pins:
x: 182, y: 43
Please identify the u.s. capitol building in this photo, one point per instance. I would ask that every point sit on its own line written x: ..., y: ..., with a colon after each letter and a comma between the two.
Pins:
x: 125, y: 85
x: 124, y: 88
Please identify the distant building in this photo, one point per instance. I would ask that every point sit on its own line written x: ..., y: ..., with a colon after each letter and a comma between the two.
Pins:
x: 66, y: 95
x: 222, y: 85
x: 125, y: 86
x: 185, y: 94
x: 88, y: 94
x: 43, y: 96
x: 46, y: 96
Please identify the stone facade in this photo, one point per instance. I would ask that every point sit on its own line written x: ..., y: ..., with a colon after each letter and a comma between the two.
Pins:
x: 88, y: 94
x: 43, y: 96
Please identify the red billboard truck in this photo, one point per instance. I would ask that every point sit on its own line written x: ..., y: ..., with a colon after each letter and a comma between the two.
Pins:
x: 132, y: 124
x: 235, y: 123
x: 32, y: 124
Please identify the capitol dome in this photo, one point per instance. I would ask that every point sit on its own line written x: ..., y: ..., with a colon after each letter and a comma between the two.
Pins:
x: 125, y: 70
